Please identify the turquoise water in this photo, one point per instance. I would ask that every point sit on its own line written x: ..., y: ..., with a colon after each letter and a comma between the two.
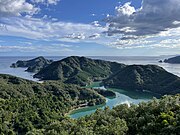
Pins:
x: 122, y: 97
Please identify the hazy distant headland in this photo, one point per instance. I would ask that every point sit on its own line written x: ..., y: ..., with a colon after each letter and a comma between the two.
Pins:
x: 173, y: 60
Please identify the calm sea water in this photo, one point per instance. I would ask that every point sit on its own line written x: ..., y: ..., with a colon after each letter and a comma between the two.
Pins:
x: 121, y: 95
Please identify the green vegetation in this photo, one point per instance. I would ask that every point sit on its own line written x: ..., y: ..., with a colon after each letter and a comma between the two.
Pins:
x: 106, y: 93
x: 173, y: 60
x: 83, y: 71
x: 160, y: 117
x: 26, y: 105
x: 150, y: 78
x: 30, y: 108
x: 78, y: 70
x: 40, y: 110
x: 34, y: 65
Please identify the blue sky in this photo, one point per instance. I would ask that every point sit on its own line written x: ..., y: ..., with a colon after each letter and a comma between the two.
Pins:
x: 89, y: 27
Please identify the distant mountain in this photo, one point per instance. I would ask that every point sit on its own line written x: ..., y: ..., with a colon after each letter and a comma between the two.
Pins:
x: 79, y: 70
x: 173, y: 60
x: 34, y: 65
x: 145, y: 78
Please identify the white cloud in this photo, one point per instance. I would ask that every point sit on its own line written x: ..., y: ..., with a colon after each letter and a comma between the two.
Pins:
x: 34, y: 28
x: 96, y: 23
x: 126, y: 9
x: 25, y: 43
x: 63, y: 45
x: 93, y: 14
x: 155, y: 24
x: 52, y: 2
x: 16, y: 47
x: 46, y: 2
x: 76, y: 36
x: 22, y: 7
x: 16, y: 8
x: 168, y: 39
x: 35, y: 48
x: 153, y: 17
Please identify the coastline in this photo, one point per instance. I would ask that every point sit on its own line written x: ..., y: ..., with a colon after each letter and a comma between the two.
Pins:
x: 80, y: 107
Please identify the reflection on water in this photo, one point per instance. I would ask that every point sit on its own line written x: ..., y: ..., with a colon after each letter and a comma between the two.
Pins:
x: 122, y: 97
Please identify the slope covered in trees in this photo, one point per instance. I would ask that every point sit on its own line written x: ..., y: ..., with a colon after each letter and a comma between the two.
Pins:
x: 79, y: 70
x: 44, y: 115
x: 26, y: 105
x: 145, y: 78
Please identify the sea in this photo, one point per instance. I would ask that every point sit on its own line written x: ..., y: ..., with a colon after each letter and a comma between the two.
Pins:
x: 122, y: 96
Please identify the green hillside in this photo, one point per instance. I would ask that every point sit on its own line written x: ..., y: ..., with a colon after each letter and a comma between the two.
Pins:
x: 145, y: 78
x: 78, y: 70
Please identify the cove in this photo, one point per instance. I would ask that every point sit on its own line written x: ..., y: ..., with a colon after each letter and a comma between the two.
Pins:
x: 122, y: 97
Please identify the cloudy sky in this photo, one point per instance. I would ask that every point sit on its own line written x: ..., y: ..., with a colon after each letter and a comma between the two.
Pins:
x: 89, y: 27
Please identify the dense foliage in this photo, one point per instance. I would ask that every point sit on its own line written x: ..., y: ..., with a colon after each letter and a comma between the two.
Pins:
x: 160, y: 117
x: 43, y: 116
x: 106, y: 93
x: 78, y: 70
x: 145, y: 77
x: 34, y: 65
x: 26, y: 105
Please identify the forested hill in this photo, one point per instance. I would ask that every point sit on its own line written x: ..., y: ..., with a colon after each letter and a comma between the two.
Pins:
x: 145, y: 78
x: 79, y: 70
x: 27, y: 105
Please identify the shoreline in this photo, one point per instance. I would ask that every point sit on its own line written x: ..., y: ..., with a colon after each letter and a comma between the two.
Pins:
x: 78, y: 108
